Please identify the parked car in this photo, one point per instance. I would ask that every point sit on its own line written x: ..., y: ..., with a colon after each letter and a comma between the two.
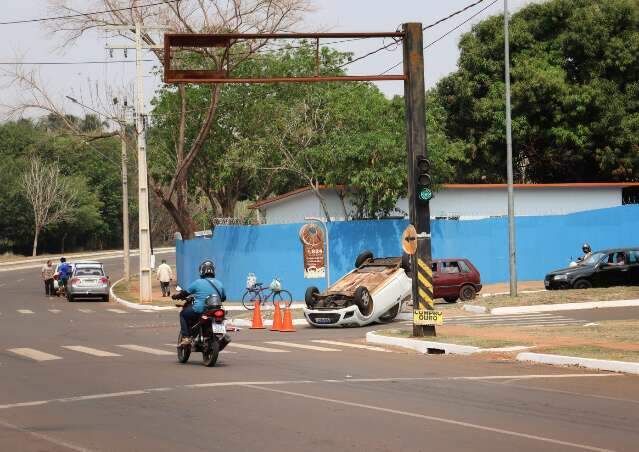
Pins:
x: 605, y: 268
x: 88, y: 280
x: 455, y: 279
x: 372, y: 292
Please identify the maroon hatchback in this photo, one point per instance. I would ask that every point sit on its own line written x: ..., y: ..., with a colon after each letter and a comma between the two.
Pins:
x: 455, y: 279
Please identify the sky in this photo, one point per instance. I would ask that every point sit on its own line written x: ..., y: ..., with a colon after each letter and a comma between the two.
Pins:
x: 34, y: 43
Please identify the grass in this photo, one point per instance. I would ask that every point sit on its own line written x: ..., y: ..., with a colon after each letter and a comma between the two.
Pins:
x: 559, y: 296
x: 614, y: 331
x: 129, y: 291
x: 590, y: 351
x: 455, y: 339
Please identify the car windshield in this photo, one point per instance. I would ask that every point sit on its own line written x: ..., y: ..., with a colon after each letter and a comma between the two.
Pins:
x: 88, y: 271
x: 594, y: 259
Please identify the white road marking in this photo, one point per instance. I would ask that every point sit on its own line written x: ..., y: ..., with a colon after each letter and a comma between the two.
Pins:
x: 89, y: 350
x: 349, y: 344
x: 257, y: 348
x: 303, y: 346
x: 47, y: 438
x: 143, y: 310
x: 20, y: 280
x: 140, y: 348
x: 3, y: 284
x: 55, y: 311
x: 25, y: 311
x: 117, y: 311
x: 34, y: 354
x: 434, y: 419
x: 86, y: 311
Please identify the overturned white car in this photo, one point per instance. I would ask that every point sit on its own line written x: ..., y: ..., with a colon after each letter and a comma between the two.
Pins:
x: 372, y: 292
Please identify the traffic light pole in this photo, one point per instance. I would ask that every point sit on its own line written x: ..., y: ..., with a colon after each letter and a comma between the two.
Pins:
x: 419, y: 212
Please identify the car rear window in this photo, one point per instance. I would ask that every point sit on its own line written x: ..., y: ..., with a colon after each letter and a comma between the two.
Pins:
x: 89, y: 271
x: 633, y: 257
x: 464, y: 267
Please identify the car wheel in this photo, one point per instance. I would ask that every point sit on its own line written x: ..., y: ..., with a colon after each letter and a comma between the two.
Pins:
x: 451, y: 299
x: 582, y: 284
x: 105, y: 298
x: 70, y: 298
x: 390, y: 315
x: 406, y: 265
x: 309, y: 297
x: 363, y: 300
x: 467, y: 293
x: 363, y: 257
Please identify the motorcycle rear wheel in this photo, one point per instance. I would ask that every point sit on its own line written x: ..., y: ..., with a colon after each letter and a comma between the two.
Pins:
x: 183, y: 351
x: 210, y: 354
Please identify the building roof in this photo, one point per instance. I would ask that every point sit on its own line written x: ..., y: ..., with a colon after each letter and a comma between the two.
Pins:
x: 298, y: 191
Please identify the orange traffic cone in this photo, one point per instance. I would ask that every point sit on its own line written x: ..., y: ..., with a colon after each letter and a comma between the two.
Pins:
x: 287, y: 324
x: 257, y: 324
x: 277, y: 317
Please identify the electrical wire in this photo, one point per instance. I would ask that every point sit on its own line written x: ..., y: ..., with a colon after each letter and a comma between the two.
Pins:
x: 71, y: 16
x: 451, y: 15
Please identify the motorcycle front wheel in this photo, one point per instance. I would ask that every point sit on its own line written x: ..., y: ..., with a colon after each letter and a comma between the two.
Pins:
x: 183, y: 351
x: 210, y: 354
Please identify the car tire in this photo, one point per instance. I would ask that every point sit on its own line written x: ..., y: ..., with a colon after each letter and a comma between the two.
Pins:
x: 451, y: 299
x: 406, y: 264
x: 363, y: 257
x: 467, y: 292
x: 363, y: 300
x: 582, y: 284
x: 390, y: 315
x: 309, y: 297
x: 105, y: 298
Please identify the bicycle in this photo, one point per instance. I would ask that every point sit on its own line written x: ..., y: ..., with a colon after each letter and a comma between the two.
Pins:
x: 254, y: 293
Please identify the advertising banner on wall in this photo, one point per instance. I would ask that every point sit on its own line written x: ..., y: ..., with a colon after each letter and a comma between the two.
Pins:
x: 312, y: 238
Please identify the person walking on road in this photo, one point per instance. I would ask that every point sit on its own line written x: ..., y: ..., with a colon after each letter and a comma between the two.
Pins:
x: 48, y: 270
x: 165, y: 275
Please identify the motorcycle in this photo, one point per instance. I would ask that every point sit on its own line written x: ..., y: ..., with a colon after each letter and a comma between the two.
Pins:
x: 208, y: 335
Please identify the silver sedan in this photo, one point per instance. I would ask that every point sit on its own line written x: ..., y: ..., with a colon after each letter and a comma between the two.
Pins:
x: 88, y: 281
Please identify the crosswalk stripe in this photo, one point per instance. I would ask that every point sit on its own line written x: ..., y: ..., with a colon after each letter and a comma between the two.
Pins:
x: 25, y: 311
x: 303, y: 346
x: 86, y: 311
x: 349, y: 344
x: 34, y: 354
x: 89, y: 350
x: 257, y: 348
x: 55, y: 311
x: 140, y: 348
x: 117, y: 311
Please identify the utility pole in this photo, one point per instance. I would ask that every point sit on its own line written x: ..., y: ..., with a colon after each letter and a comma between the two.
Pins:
x: 509, y: 164
x: 419, y: 192
x: 143, y: 185
x: 125, y: 201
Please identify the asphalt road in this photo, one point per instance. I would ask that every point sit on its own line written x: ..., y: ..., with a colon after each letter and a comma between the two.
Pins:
x: 91, y: 376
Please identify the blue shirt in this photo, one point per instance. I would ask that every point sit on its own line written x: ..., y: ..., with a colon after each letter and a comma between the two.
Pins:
x: 201, y: 289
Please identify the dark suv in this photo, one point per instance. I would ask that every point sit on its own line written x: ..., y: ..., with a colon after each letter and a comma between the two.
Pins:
x: 614, y: 267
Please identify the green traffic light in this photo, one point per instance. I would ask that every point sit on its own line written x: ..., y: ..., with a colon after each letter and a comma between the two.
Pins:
x: 425, y: 194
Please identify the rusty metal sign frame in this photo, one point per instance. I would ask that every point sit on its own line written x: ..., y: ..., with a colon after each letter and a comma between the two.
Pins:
x: 198, y: 40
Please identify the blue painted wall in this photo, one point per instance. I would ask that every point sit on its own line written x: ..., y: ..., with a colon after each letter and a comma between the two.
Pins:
x: 543, y: 244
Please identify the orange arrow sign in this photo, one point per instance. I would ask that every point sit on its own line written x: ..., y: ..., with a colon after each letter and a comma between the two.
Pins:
x: 409, y: 240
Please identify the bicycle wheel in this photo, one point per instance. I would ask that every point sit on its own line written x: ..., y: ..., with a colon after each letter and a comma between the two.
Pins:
x: 249, y: 298
x: 284, y: 297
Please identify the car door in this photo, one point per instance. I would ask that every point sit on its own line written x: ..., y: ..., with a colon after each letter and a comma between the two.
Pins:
x: 611, y: 273
x: 448, y: 279
x: 437, y: 288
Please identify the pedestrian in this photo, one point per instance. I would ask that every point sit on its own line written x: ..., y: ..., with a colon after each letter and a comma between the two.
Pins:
x: 48, y: 270
x: 164, y: 274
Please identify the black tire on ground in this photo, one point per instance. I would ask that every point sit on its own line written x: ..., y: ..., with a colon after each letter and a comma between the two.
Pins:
x: 309, y: 296
x: 284, y: 297
x: 406, y: 265
x: 249, y: 298
x: 582, y: 284
x: 451, y: 299
x: 183, y: 351
x: 363, y: 300
x: 70, y: 298
x: 467, y: 292
x: 363, y: 257
x: 209, y: 356
x: 390, y: 315
x: 105, y: 298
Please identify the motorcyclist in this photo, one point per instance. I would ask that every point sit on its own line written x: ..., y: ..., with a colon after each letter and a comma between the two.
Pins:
x: 587, y: 253
x: 201, y: 288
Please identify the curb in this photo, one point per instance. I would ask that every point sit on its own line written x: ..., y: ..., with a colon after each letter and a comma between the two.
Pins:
x: 475, y: 309
x: 589, y: 363
x: 564, y: 307
x: 128, y: 304
x: 419, y: 345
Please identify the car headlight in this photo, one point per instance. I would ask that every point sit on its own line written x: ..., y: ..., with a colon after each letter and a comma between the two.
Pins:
x: 560, y: 277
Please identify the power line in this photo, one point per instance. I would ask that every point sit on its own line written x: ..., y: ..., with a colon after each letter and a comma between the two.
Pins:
x: 71, y: 16
x: 451, y: 15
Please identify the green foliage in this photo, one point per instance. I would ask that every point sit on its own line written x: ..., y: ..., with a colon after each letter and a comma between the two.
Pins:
x: 575, y: 95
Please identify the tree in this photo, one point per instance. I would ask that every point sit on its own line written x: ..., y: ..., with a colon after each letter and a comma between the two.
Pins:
x: 575, y: 95
x: 51, y: 196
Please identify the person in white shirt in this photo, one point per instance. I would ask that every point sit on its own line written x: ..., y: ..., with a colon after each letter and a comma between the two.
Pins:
x: 164, y: 274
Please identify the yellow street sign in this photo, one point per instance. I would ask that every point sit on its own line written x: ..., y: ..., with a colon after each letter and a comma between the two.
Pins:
x: 409, y: 240
x: 427, y: 317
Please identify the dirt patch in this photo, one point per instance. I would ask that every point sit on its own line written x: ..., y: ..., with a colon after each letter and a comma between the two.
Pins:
x: 130, y: 291
x: 456, y: 338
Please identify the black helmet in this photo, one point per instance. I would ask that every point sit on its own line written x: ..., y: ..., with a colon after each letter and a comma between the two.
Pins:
x: 586, y: 248
x: 63, y: 259
x: 207, y: 269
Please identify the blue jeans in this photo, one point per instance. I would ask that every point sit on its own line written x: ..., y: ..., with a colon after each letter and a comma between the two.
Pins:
x: 188, y: 318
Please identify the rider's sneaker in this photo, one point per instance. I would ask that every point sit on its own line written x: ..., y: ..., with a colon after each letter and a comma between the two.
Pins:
x: 185, y: 341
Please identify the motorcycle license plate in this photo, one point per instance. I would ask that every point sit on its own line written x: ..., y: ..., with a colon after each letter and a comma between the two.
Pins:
x: 219, y: 328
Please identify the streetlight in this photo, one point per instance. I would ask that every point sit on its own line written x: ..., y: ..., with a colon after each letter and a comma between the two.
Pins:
x: 328, y: 259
